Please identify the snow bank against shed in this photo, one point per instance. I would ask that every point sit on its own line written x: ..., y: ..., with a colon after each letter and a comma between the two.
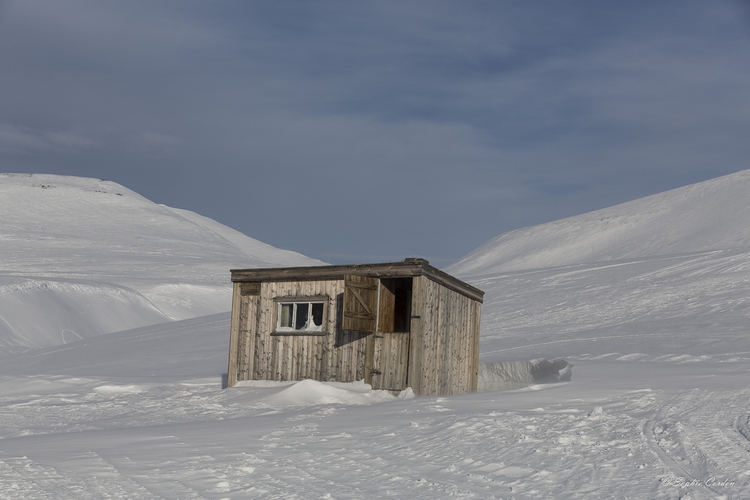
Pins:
x: 312, y: 392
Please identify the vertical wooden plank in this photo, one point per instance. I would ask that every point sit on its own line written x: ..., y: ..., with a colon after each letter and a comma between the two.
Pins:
x: 294, y: 343
x: 341, y: 356
x: 402, y: 358
x: 396, y: 369
x: 356, y: 359
x: 274, y: 346
x: 242, y: 343
x: 466, y: 358
x: 329, y: 342
x: 241, y: 338
x: 351, y: 359
x: 414, y: 376
x: 369, y: 358
x: 287, y: 342
x: 437, y: 340
x: 268, y: 358
x: 469, y: 333
x: 266, y: 353
x: 438, y: 337
x: 275, y: 359
x: 345, y: 358
x: 337, y: 355
x: 449, y: 340
x: 305, y: 363
x: 305, y: 368
x: 310, y: 343
x: 455, y: 377
x: 403, y: 361
x: 454, y: 357
x: 475, y: 367
x: 394, y: 348
x: 259, y: 372
x: 386, y: 306
x: 427, y: 309
x: 279, y: 358
x: 379, y: 362
x: 429, y: 329
x: 319, y: 344
x: 277, y: 351
x: 249, y: 319
x: 234, y: 332
x: 450, y: 343
x: 387, y: 361
x: 430, y: 339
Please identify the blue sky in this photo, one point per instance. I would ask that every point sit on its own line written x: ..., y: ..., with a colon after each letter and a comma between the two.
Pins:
x: 372, y: 131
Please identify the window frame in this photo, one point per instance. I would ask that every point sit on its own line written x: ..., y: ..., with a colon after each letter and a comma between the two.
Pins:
x: 316, y: 299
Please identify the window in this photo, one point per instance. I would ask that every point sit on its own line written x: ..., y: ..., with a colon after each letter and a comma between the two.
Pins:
x: 301, y: 316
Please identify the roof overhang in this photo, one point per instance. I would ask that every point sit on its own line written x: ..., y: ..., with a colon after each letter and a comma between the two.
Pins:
x: 405, y: 269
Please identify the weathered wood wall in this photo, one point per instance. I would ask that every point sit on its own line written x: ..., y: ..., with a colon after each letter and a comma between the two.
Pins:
x: 387, y: 360
x: 337, y: 356
x: 444, y: 347
x: 439, y: 356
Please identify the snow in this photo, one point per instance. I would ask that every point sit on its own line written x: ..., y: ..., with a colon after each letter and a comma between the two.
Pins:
x: 522, y: 373
x: 658, y: 405
x: 102, y: 258
x: 711, y: 215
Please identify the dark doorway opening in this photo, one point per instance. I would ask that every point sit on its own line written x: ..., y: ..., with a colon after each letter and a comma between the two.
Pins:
x: 395, y: 305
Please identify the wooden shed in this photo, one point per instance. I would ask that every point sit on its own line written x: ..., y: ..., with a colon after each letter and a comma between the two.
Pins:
x: 395, y: 325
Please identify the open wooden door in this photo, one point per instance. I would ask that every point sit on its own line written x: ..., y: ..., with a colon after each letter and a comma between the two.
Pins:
x: 382, y: 311
x: 387, y: 356
x: 360, y: 303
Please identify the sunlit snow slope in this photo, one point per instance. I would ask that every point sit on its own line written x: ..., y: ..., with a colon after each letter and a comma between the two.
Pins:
x: 81, y: 257
x: 630, y: 281
x: 710, y: 215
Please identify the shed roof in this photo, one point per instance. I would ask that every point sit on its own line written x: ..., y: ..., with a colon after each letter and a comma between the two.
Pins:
x: 404, y: 269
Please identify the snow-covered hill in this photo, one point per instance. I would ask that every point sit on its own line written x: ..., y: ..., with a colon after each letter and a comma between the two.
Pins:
x: 100, y: 258
x: 658, y: 406
x: 710, y: 215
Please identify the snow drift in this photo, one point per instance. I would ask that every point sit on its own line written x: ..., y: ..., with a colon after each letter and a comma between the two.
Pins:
x: 516, y: 374
x: 36, y: 313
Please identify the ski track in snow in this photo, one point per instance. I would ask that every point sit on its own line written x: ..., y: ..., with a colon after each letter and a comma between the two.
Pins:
x: 425, y: 448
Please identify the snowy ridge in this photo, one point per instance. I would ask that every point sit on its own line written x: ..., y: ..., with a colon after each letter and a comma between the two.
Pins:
x: 99, y: 230
x: 710, y: 215
x: 143, y: 263
x: 259, y: 253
